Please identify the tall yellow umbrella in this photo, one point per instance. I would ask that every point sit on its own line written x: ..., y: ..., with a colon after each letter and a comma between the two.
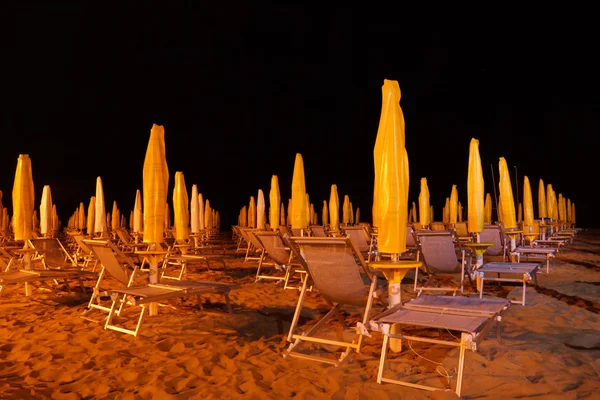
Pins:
x: 282, y: 214
x: 23, y: 199
x: 100, y: 212
x: 488, y: 209
x: 549, y: 201
x: 194, y: 228
x: 346, y: 210
x: 568, y: 210
x: 561, y: 215
x: 446, y: 212
x: 334, y: 211
x: 244, y: 217
x: 299, y: 210
x: 424, y: 204
x: 519, y: 212
x: 201, y: 224
x: 325, y: 214
x: 477, y: 209
x: 81, y: 217
x: 542, y: 210
x: 180, y: 208
x: 115, y: 217
x: 460, y: 212
x: 260, y: 210
x: 155, y: 187
x: 274, y: 203
x: 509, y: 219
x: 391, y: 174
x: 453, y: 205
x: 573, y: 218
x: 357, y: 217
x: 138, y: 214
x: 46, y: 212
x: 390, y: 199
x: 91, y: 216
x: 252, y: 213
x: 414, y: 211
x: 289, y: 213
x: 528, y: 216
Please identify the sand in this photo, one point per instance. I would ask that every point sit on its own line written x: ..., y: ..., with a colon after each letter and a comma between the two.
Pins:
x: 550, y: 348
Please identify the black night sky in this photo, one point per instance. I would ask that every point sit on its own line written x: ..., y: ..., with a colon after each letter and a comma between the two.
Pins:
x: 241, y: 88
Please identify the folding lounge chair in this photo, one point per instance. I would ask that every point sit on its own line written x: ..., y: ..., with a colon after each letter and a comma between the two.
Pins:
x: 492, y: 233
x: 34, y: 276
x: 281, y: 255
x: 361, y: 238
x: 437, y: 226
x: 83, y: 254
x: 254, y: 250
x: 340, y: 274
x: 517, y: 272
x: 471, y: 317
x: 545, y: 253
x: 126, y: 242
x: 442, y: 254
x: 140, y: 295
x: 462, y: 231
x: 317, y: 230
x: 53, y: 254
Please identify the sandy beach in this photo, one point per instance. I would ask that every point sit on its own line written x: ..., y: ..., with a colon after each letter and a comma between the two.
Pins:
x: 550, y: 348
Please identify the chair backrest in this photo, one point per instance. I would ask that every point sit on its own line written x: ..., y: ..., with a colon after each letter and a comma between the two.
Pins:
x: 360, y: 237
x: 252, y: 238
x: 54, y: 253
x: 318, y: 230
x: 124, y: 236
x: 336, y: 267
x: 438, y: 250
x: 492, y: 234
x: 285, y: 230
x: 79, y: 240
x: 105, y: 252
x: 276, y: 248
x: 462, y: 229
x: 297, y: 231
x: 437, y: 226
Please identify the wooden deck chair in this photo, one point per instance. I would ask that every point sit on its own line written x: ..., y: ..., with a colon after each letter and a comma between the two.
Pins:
x: 114, y: 262
x: 254, y: 250
x: 141, y: 295
x: 472, y: 318
x: 282, y: 257
x: 361, y: 238
x: 340, y: 274
x: 43, y: 276
x: 8, y: 260
x: 507, y: 272
x: 492, y: 233
x: 126, y: 242
x: 317, y: 230
x: 442, y: 254
x: 462, y: 232
x: 83, y: 254
x: 52, y: 253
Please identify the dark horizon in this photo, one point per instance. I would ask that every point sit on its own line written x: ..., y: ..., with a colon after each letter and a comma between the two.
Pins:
x: 241, y: 91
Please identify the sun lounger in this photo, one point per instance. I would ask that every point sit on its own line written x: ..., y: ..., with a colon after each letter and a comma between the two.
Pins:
x: 471, y: 317
x: 517, y: 272
x: 546, y: 253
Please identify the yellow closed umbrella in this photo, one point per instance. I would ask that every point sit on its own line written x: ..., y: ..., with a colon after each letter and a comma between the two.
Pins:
x: 244, y: 217
x: 549, y: 201
x: 274, y: 203
x: 506, y: 197
x: 325, y: 214
x: 424, y: 207
x: 282, y: 214
x: 542, y: 209
x: 569, y: 210
x: 115, y: 217
x: 528, y: 216
x: 573, y: 218
x: 194, y: 216
x: 91, y: 216
x: 46, y: 212
x: 334, y: 212
x: 251, y: 213
x: 460, y: 212
x: 299, y: 209
x: 446, y: 213
x: 180, y: 208
x: 100, y: 212
x: 561, y: 214
x: 156, y: 183
x: 201, y: 224
x: 487, y: 219
x: 390, y: 200
x: 357, y: 217
x: 346, y: 210
x: 23, y: 199
x: 414, y: 211
x: 289, y: 213
x: 138, y: 214
x: 519, y: 213
x: 477, y: 207
x: 453, y: 205
x: 260, y: 210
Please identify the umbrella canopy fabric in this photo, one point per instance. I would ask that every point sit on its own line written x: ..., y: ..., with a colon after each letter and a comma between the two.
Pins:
x: 194, y: 210
x: 156, y: 183
x: 424, y: 206
x: 138, y: 213
x: 23, y: 199
x: 274, y: 204
x: 252, y: 213
x: 477, y: 209
x: 299, y: 215
x: 325, y: 214
x: 46, y: 211
x: 201, y: 224
x: 542, y: 210
x: 454, y: 205
x: 180, y: 208
x: 509, y: 219
x: 528, y: 216
x: 260, y: 210
x: 550, y: 201
x: 100, y: 213
x: 334, y: 210
x: 390, y: 192
x: 91, y: 216
x: 346, y: 210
